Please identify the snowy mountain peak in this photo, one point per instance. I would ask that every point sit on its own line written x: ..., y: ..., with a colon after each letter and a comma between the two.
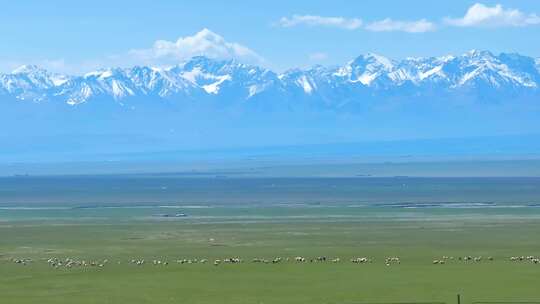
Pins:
x: 365, y: 69
x: 28, y: 69
x: 372, y: 61
x: 372, y: 58
x: 202, y: 61
x: 478, y: 53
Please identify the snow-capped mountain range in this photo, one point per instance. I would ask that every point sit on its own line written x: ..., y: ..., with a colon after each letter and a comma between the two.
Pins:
x: 209, y: 103
x: 475, y: 75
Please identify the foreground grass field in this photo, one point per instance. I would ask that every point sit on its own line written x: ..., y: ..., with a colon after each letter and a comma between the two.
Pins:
x: 416, y: 236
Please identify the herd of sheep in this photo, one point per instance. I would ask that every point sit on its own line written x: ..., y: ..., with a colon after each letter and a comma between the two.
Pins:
x: 388, y: 261
x: 467, y: 258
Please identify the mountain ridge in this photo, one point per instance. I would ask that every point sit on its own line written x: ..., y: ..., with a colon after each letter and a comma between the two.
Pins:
x: 202, y: 77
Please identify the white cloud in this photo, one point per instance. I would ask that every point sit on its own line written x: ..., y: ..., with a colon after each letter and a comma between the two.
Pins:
x: 318, y: 56
x: 495, y: 16
x: 388, y: 25
x: 385, y: 25
x: 204, y: 43
x: 310, y: 20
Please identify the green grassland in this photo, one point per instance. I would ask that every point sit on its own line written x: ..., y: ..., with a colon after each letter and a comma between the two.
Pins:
x: 417, y: 236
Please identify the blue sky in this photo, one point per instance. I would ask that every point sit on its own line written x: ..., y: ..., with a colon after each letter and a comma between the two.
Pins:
x: 77, y: 36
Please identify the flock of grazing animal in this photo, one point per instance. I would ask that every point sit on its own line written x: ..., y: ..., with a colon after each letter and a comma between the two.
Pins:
x: 529, y: 258
x: 388, y: 261
x: 467, y: 258
x: 69, y: 263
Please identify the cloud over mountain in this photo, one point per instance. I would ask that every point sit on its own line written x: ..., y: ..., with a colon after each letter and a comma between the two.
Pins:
x: 495, y: 16
x: 204, y: 43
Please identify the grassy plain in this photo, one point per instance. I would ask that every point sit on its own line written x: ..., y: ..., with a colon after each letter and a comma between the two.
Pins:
x: 417, y: 236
